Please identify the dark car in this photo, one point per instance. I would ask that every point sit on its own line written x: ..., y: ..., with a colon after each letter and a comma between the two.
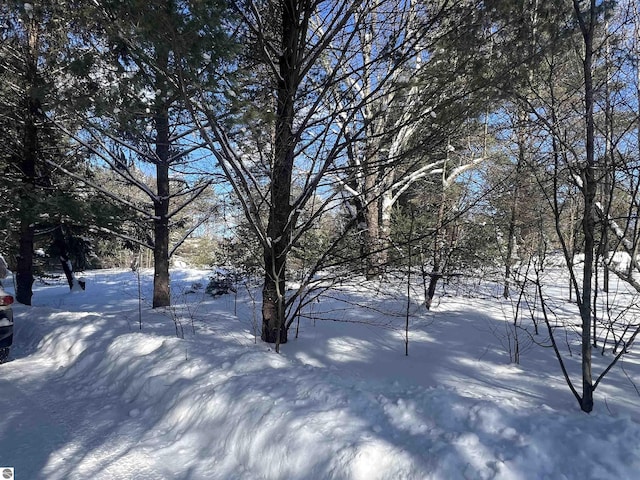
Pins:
x: 6, y: 324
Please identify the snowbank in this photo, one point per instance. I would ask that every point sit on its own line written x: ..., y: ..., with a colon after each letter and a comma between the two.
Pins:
x: 108, y: 401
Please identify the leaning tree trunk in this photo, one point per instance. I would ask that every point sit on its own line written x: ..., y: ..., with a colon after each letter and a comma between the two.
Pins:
x: 65, y: 261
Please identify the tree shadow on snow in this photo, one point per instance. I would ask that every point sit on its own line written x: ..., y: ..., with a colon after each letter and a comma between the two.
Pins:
x: 342, y: 401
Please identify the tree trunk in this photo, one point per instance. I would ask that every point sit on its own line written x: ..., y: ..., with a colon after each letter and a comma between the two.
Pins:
x: 515, y: 204
x: 609, y: 166
x: 24, y: 270
x: 274, y: 328
x: 386, y: 207
x: 438, y: 252
x: 161, y: 285
x: 65, y: 261
x: 374, y: 250
x: 587, y: 26
x: 434, y: 277
x: 372, y: 233
x: 161, y: 288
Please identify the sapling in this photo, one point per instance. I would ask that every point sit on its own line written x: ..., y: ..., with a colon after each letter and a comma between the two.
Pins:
x: 409, y: 264
x: 137, y: 270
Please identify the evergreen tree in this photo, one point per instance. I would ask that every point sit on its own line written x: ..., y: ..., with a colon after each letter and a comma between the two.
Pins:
x: 32, y: 36
x: 140, y: 54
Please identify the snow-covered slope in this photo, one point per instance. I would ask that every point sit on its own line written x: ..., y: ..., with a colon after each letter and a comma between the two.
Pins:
x: 88, y: 395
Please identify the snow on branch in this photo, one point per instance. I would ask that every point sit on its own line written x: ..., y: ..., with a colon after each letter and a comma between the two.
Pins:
x: 456, y: 172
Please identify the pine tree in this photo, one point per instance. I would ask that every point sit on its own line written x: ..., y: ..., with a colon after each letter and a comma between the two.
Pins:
x: 141, y: 53
x: 32, y: 35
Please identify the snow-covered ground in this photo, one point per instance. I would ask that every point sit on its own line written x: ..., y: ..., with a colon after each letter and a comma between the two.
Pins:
x: 88, y: 395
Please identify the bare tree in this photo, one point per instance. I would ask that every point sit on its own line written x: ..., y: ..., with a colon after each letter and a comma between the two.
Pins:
x: 303, y: 142
x: 414, y: 92
x: 583, y: 153
x: 342, y: 96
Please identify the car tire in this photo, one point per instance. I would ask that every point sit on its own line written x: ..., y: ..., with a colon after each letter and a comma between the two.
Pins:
x: 4, y: 354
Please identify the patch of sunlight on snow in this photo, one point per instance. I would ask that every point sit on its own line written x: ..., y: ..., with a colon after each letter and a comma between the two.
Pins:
x: 68, y: 316
x: 378, y: 459
x: 629, y: 359
x: 57, y: 461
x: 404, y: 415
x: 495, y: 369
x: 347, y: 349
x: 134, y: 345
x: 307, y: 359
x: 66, y: 344
x: 471, y: 449
x: 419, y: 336
x: 252, y: 362
x: 111, y: 460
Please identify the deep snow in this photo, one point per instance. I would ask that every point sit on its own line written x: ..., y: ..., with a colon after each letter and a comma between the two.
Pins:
x: 88, y: 395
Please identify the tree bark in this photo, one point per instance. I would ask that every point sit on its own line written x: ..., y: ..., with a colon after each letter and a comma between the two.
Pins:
x: 274, y: 328
x: 161, y: 288
x: 65, y: 261
x: 439, y: 254
x: 372, y: 247
x: 515, y: 204
x: 161, y: 282
x: 24, y: 270
x: 24, y: 275
x: 434, y: 277
x: 587, y: 26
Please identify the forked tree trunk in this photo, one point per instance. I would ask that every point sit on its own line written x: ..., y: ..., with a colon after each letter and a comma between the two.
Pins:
x: 65, y: 261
